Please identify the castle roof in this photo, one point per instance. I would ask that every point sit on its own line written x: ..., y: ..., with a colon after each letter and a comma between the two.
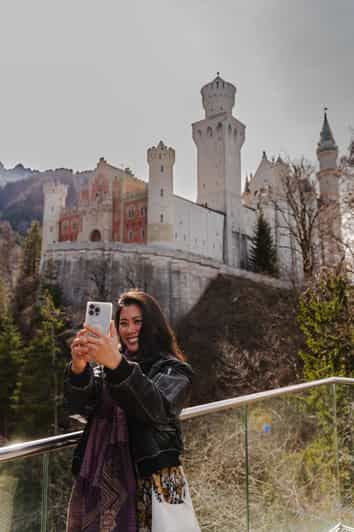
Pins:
x: 327, y: 141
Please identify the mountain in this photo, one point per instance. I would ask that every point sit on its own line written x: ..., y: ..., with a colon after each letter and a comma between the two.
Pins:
x: 21, y: 200
x: 10, y: 175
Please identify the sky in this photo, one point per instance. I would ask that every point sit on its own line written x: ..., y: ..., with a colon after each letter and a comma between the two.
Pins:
x: 81, y: 79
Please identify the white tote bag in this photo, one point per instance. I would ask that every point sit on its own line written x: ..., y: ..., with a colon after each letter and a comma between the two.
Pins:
x: 168, y: 517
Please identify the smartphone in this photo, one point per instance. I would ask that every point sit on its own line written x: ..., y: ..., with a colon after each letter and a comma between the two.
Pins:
x: 99, y: 315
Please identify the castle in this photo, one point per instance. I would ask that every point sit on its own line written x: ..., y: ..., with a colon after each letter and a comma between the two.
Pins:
x: 115, y: 206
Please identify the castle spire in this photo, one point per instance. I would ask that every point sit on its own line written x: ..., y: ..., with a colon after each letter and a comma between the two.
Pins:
x: 351, y: 153
x: 327, y: 141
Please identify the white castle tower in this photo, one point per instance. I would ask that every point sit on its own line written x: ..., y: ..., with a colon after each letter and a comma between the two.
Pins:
x: 329, y: 189
x: 160, y: 196
x: 219, y: 139
x: 54, y: 200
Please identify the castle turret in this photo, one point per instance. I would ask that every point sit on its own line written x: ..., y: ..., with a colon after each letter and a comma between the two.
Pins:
x: 160, y: 195
x: 219, y: 139
x: 218, y: 97
x: 54, y: 201
x: 329, y: 188
x: 327, y: 150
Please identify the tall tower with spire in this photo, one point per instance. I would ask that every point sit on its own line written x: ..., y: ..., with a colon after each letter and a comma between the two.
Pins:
x: 329, y: 189
x: 219, y: 138
x: 327, y: 154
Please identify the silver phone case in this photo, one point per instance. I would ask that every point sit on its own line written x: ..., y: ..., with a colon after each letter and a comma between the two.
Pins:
x: 99, y: 315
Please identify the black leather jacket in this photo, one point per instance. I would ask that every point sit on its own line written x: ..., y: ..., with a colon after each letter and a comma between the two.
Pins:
x: 152, y: 403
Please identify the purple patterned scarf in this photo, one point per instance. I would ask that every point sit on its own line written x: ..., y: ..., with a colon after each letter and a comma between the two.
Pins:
x: 104, y: 493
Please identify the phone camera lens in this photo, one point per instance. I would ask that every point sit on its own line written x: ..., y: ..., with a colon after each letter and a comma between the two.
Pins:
x: 91, y: 312
x: 92, y: 306
x: 97, y: 311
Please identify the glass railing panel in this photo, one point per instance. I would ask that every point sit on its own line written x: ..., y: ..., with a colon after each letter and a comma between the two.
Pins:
x: 214, y: 461
x: 345, y: 442
x: 21, y: 487
x: 60, y: 482
x: 293, y: 478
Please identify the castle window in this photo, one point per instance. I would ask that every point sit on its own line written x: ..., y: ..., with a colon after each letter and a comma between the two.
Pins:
x: 142, y: 233
x: 142, y: 211
x: 162, y: 168
x: 161, y: 218
x: 199, y: 132
x: 130, y: 235
x: 235, y: 132
x: 161, y: 192
x: 210, y: 132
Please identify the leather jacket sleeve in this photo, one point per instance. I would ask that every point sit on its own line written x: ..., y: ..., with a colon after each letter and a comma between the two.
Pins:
x: 155, y: 400
x: 81, y: 392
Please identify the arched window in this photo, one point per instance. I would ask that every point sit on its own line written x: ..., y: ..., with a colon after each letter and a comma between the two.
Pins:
x: 161, y: 218
x: 95, y: 236
x: 162, y: 168
x: 161, y: 192
x: 210, y: 132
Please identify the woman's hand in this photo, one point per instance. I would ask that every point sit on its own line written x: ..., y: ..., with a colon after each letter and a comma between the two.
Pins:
x: 79, y: 353
x: 103, y: 349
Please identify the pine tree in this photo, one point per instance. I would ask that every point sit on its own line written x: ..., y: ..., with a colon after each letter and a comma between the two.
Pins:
x: 39, y: 383
x: 263, y: 253
x: 11, y: 358
x: 28, y: 283
x: 32, y: 251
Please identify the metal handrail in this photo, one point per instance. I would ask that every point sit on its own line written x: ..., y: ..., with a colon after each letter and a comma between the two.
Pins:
x: 52, y: 443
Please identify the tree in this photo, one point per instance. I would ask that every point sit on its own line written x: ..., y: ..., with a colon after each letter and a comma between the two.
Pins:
x: 326, y: 319
x: 29, y: 279
x: 11, y: 356
x: 32, y: 251
x: 299, y: 210
x: 37, y: 393
x: 263, y: 254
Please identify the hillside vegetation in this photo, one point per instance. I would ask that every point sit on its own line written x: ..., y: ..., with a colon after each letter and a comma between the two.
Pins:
x: 241, y: 337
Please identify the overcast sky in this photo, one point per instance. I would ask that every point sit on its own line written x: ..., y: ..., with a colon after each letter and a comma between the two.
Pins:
x: 82, y: 79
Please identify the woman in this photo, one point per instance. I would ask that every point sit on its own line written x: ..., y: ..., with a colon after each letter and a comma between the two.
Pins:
x: 136, y: 393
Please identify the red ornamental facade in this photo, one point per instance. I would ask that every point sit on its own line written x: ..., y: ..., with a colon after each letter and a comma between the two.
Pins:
x: 112, y: 206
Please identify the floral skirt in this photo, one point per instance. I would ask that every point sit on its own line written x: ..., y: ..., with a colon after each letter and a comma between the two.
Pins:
x: 169, y: 484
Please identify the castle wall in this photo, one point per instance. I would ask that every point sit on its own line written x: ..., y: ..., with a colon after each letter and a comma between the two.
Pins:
x: 103, y: 271
x: 197, y: 229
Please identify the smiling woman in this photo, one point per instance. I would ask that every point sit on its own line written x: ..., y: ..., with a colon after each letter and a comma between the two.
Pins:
x: 128, y: 468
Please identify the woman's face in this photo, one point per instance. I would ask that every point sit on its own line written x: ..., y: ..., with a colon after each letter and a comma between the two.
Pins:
x: 130, y: 323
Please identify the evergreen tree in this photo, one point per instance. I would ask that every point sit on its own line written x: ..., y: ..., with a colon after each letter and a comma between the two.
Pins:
x: 32, y: 251
x: 39, y: 383
x: 11, y: 357
x: 28, y: 283
x: 263, y: 253
x: 326, y: 318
